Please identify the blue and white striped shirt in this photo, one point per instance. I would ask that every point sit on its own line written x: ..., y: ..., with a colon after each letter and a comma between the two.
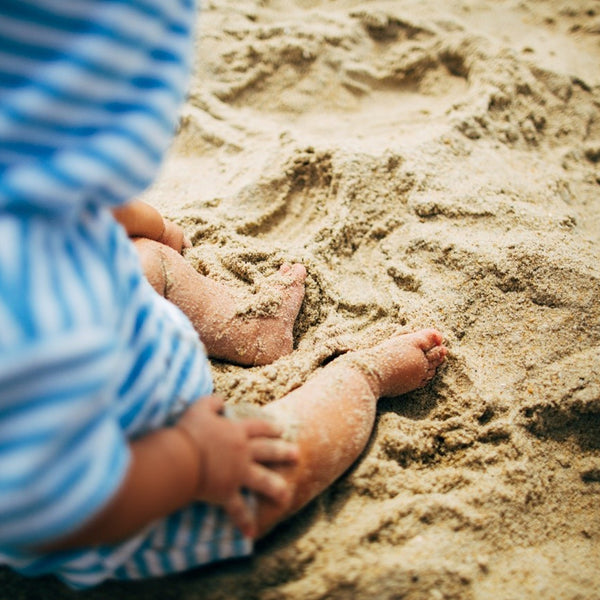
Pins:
x: 90, y: 92
x: 90, y: 355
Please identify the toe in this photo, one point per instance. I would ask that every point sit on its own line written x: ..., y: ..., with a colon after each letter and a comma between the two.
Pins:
x: 427, y: 339
x: 436, y: 355
x: 299, y: 272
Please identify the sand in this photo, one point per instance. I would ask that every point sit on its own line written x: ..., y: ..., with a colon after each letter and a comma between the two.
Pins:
x: 431, y: 163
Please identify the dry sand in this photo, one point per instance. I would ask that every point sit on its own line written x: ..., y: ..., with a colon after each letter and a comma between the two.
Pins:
x: 432, y: 163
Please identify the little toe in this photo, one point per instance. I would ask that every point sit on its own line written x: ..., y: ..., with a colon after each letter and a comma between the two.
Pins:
x: 436, y: 355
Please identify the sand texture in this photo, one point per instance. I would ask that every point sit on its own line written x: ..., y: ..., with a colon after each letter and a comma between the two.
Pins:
x: 431, y: 163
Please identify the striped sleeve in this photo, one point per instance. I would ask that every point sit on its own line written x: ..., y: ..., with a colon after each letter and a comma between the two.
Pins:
x: 90, y: 91
x: 62, y: 454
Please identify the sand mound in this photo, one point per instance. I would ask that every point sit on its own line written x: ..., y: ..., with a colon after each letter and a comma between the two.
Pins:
x: 432, y: 164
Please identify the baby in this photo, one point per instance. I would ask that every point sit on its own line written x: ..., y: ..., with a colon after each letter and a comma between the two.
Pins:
x: 116, y: 461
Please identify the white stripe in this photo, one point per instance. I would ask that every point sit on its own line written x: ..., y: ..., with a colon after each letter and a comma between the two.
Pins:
x: 82, y: 562
x: 202, y: 553
x: 152, y: 563
x: 225, y: 540
x: 149, y: 137
x: 104, y: 10
x: 60, y: 351
x: 75, y: 79
x: 103, y: 51
x: 12, y: 334
x: 92, y: 90
x: 159, y: 535
x: 122, y: 552
x: 92, y: 171
x: 102, y: 287
x: 10, y: 248
x: 132, y: 570
x: 83, y: 579
x: 77, y: 497
x: 182, y: 538
x: 209, y: 525
x: 39, y: 186
x: 36, y: 459
x: 47, y: 314
x: 178, y: 560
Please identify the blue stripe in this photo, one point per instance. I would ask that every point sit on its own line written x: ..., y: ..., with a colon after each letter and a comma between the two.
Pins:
x: 141, y: 319
x: 150, y: 10
x: 31, y: 438
x: 147, y: 82
x: 59, y: 291
x: 72, y: 132
x: 15, y: 202
x: 166, y: 566
x: 19, y: 47
x: 24, y: 147
x: 80, y: 391
x: 240, y: 545
x: 74, y: 26
x: 117, y: 167
x: 90, y: 570
x: 172, y: 526
x: 34, y: 13
x: 88, y: 505
x: 83, y: 277
x: 200, y: 512
x: 67, y: 481
x: 31, y: 476
x: 21, y: 303
x: 101, y: 158
x: 141, y: 565
x: 22, y: 202
x: 81, y: 100
x: 112, y: 246
x: 185, y: 369
x: 105, y: 252
x: 13, y: 80
x: 136, y: 404
x: 164, y: 55
x: 58, y: 364
x: 143, y: 358
x: 214, y: 546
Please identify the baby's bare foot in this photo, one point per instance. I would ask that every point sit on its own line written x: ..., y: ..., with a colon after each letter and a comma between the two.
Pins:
x: 402, y: 363
x: 274, y: 337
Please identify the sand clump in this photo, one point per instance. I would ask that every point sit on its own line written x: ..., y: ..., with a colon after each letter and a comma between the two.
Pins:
x: 431, y: 164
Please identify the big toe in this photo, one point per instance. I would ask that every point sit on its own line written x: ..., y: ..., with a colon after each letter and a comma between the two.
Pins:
x: 296, y: 272
x: 427, y: 339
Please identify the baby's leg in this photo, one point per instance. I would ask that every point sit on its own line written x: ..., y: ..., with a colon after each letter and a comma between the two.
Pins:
x: 334, y: 412
x: 213, y: 307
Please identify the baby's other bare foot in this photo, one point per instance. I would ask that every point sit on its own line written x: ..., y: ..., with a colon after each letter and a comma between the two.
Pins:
x: 274, y: 337
x: 402, y: 363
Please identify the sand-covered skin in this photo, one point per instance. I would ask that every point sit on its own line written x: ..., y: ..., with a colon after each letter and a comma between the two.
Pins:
x: 432, y: 164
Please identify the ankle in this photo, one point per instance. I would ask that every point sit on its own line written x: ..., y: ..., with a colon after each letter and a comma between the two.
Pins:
x: 361, y: 363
